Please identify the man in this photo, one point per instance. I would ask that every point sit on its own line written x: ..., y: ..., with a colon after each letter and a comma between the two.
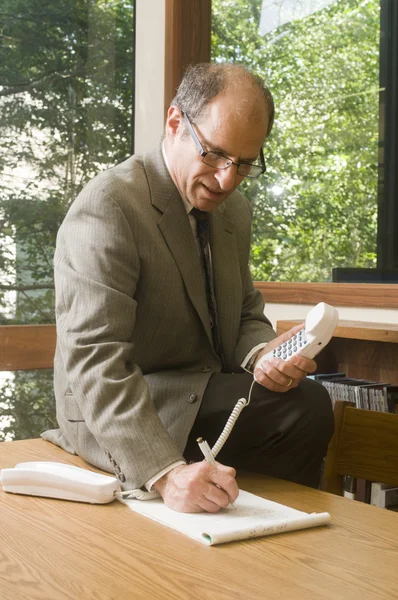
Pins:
x: 146, y: 360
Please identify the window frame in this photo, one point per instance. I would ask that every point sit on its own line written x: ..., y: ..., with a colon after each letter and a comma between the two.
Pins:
x: 387, y: 242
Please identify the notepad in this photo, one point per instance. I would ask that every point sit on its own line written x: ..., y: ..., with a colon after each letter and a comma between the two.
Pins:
x: 252, y: 517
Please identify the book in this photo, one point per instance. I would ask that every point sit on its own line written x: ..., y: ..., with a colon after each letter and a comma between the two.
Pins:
x: 366, y: 394
x: 252, y: 517
x: 363, y: 490
x: 384, y: 495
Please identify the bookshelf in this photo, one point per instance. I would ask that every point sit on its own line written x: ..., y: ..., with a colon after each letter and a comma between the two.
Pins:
x: 362, y: 350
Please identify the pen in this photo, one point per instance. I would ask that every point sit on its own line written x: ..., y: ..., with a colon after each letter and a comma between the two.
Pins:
x: 205, y: 448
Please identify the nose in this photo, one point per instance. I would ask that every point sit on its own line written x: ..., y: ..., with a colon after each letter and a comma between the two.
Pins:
x: 226, y: 178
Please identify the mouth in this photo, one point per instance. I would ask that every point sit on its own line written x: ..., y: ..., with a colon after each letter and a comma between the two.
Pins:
x: 213, y: 193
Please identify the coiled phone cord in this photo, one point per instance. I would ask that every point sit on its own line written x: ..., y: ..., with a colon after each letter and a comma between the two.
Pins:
x: 239, y: 406
x: 140, y: 494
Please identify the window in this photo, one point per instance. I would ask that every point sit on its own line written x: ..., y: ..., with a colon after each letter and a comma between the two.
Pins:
x: 66, y: 101
x: 317, y: 206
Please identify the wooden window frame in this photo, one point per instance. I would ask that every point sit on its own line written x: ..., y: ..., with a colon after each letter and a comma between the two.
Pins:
x: 187, y: 41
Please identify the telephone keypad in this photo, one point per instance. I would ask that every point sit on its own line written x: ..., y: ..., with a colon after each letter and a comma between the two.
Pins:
x: 291, y: 346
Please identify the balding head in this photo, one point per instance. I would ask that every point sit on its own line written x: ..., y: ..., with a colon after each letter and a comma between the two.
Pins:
x: 203, y: 82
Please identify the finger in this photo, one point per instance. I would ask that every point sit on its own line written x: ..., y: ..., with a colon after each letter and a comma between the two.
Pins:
x: 228, y: 470
x: 264, y: 380
x: 207, y: 505
x: 307, y: 365
x: 226, y: 483
x: 278, y: 372
x: 183, y: 506
x: 215, y: 495
x: 288, y: 369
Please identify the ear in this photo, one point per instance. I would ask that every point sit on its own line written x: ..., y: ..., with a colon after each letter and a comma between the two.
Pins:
x: 174, y: 121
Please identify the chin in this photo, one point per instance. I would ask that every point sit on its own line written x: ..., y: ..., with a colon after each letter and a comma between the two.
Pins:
x: 208, y: 206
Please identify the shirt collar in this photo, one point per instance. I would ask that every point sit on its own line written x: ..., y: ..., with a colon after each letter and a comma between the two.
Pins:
x: 187, y: 205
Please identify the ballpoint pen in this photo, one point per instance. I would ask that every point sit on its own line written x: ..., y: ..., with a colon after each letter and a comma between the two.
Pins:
x: 206, y: 451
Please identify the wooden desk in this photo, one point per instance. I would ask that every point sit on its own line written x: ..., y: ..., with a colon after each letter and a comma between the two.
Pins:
x: 54, y: 549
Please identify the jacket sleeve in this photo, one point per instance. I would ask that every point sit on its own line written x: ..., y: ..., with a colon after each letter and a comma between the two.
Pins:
x: 96, y: 273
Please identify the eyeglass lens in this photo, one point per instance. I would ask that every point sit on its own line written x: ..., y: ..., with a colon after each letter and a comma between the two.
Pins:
x: 222, y: 162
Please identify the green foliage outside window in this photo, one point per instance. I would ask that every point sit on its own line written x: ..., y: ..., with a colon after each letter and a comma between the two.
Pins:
x: 27, y: 405
x: 66, y: 109
x: 316, y: 207
x: 66, y: 104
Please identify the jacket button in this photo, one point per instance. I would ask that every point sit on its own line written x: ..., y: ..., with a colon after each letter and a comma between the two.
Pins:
x: 121, y: 477
x: 193, y: 397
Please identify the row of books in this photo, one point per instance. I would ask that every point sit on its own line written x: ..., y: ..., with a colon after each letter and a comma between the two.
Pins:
x: 370, y: 395
x: 379, y: 494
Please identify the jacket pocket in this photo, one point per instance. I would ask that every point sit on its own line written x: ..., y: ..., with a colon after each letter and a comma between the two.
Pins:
x: 72, y: 411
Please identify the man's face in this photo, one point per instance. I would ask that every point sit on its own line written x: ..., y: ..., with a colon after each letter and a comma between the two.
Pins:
x: 220, y: 130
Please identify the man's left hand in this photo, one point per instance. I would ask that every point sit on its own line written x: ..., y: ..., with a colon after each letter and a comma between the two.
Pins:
x: 279, y: 375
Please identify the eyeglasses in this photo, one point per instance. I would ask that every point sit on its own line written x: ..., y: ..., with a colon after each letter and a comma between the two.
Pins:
x: 219, y: 161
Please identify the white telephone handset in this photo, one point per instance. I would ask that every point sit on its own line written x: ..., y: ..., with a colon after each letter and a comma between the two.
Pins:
x: 319, y: 326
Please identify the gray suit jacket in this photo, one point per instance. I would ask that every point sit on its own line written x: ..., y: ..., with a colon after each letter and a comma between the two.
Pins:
x: 134, y: 351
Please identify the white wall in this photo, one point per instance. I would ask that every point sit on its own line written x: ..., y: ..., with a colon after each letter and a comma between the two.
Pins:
x: 276, y: 312
x: 149, y: 74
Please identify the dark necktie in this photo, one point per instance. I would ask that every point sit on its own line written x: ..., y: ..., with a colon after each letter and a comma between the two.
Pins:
x: 202, y: 232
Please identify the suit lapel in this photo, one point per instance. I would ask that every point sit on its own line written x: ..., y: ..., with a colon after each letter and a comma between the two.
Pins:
x: 178, y: 235
x: 176, y: 230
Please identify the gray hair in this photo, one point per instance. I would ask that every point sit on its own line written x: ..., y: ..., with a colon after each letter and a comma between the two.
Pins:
x: 202, y: 82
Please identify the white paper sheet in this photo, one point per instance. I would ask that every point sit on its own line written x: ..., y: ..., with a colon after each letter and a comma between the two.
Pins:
x: 252, y: 517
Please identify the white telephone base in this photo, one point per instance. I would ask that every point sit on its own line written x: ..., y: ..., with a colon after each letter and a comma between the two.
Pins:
x: 59, y: 480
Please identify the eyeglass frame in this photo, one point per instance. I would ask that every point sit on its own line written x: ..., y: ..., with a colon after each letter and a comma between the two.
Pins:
x: 203, y: 153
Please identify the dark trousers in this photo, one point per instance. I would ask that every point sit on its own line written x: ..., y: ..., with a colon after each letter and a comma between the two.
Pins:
x: 283, y: 435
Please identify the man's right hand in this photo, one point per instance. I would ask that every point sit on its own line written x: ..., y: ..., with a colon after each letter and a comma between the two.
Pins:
x: 198, y: 487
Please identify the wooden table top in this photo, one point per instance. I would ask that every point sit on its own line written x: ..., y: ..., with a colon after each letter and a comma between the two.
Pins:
x: 55, y: 550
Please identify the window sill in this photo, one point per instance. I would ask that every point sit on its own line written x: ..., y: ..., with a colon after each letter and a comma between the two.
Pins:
x: 370, y: 295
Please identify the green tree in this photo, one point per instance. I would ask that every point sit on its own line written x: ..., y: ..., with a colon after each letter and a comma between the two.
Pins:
x: 27, y: 405
x: 65, y: 101
x: 316, y: 207
x: 66, y: 108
